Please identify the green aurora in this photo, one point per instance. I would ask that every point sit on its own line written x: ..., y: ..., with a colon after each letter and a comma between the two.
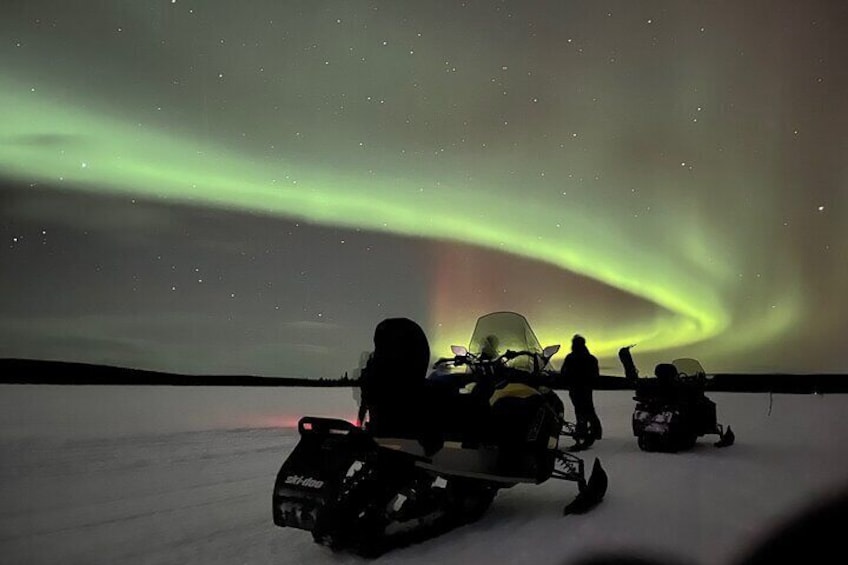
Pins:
x: 649, y: 158
x: 95, y: 153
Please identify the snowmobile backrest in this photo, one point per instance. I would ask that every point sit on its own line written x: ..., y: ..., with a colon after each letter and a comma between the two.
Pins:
x: 394, y: 380
x: 402, y: 342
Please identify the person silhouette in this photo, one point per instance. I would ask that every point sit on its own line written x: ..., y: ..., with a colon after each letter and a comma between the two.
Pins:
x: 667, y: 379
x: 578, y: 372
x: 489, y: 349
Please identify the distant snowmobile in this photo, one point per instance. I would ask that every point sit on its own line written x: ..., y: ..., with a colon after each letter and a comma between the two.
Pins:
x: 494, y: 425
x: 672, y: 411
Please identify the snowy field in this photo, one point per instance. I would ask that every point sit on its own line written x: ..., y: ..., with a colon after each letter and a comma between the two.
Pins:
x: 184, y: 475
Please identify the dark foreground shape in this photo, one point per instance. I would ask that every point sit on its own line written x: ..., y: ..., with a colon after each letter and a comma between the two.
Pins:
x: 815, y: 535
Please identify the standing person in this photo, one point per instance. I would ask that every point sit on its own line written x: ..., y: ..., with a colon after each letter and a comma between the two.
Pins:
x: 579, y: 370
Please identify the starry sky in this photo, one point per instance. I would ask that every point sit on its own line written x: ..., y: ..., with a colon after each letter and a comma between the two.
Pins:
x: 218, y: 187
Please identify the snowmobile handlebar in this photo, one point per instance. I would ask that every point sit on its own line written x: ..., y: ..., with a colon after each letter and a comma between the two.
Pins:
x: 473, y: 360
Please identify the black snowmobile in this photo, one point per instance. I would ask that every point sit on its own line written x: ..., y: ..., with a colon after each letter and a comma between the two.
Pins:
x: 435, y: 451
x: 672, y: 411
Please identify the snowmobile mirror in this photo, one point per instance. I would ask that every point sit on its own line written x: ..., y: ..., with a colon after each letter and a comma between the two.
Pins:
x: 459, y: 350
x: 550, y: 351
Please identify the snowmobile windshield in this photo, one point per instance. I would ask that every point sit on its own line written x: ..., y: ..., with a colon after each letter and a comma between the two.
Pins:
x: 498, y: 332
x: 689, y: 368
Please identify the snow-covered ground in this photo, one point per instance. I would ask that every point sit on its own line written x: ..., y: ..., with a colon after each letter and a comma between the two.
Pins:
x: 184, y: 475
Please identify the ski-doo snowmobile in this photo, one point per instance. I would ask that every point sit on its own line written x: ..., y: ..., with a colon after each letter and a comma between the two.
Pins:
x: 672, y: 411
x: 433, y: 452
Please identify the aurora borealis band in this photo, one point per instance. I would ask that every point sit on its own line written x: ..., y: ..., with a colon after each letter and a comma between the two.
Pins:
x: 668, y: 175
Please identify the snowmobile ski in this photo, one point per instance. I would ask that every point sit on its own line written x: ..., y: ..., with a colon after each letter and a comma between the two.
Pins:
x: 726, y: 438
x: 591, y: 493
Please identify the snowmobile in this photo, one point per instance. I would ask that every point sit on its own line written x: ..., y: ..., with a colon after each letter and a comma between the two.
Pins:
x: 494, y: 424
x: 672, y: 411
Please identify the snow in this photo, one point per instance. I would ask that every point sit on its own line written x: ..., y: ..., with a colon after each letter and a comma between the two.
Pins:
x: 184, y: 475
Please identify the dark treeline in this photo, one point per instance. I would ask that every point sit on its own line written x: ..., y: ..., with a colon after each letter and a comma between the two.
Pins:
x: 787, y: 384
x: 728, y: 382
x: 31, y: 371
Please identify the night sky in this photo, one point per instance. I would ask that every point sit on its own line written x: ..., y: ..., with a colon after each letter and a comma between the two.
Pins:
x: 250, y: 187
